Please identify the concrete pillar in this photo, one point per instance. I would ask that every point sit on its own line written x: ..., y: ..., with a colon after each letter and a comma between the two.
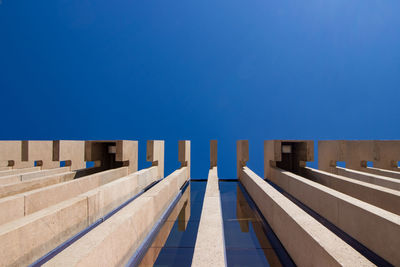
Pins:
x: 242, y: 155
x: 11, y: 155
x: 213, y: 153
x: 184, y: 154
x: 155, y: 154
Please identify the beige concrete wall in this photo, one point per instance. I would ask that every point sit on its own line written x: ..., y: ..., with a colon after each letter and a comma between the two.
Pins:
x: 307, y: 241
x: 380, y: 180
x: 85, y: 208
x: 210, y: 243
x: 375, y: 228
x: 379, y: 196
x: 115, y: 240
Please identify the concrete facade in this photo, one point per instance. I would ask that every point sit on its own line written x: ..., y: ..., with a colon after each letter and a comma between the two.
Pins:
x: 312, y: 212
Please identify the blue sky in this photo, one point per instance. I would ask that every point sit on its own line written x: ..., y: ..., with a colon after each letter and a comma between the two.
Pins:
x: 200, y: 70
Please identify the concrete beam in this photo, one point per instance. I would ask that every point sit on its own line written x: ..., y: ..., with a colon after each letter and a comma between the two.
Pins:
x: 155, y: 154
x: 380, y: 180
x: 356, y: 153
x: 375, y: 228
x: 210, y: 243
x: 293, y: 226
x: 82, y: 210
x: 378, y: 196
x: 115, y: 240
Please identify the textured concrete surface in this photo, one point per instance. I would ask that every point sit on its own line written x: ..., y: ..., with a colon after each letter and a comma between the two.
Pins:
x: 375, y: 228
x: 210, y: 242
x: 115, y: 240
x: 376, y: 179
x: 13, y: 172
x: 307, y: 241
x: 379, y: 196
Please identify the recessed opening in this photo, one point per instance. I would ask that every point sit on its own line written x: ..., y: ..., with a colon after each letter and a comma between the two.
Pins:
x: 370, y: 164
x: 62, y: 163
x: 89, y: 164
x: 341, y: 164
x: 38, y: 163
x: 398, y: 164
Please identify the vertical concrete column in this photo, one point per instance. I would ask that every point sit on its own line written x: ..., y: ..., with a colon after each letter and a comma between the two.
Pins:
x: 184, y: 155
x: 72, y: 152
x: 213, y: 153
x: 155, y: 154
x: 40, y: 152
x: 242, y: 151
x: 11, y: 155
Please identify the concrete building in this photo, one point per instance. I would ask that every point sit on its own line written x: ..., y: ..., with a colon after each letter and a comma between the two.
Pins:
x: 55, y: 211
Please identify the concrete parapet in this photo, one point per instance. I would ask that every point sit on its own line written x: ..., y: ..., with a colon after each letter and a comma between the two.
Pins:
x: 210, y: 242
x: 375, y: 228
x: 31, y: 175
x: 379, y: 196
x: 380, y: 180
x: 356, y: 153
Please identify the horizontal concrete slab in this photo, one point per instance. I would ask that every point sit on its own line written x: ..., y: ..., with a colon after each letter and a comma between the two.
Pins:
x: 375, y: 228
x: 32, y: 184
x: 307, y: 241
x: 380, y: 180
x: 107, y: 197
x: 18, y: 171
x: 210, y: 243
x: 115, y: 240
x: 379, y: 196
x: 382, y: 172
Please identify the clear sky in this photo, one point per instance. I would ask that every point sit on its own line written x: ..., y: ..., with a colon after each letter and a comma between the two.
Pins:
x: 200, y: 70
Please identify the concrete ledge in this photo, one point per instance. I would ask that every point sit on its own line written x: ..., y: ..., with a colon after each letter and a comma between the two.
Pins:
x: 210, y: 242
x: 41, y: 198
x: 387, y: 173
x: 25, y: 240
x: 96, y: 203
x: 379, y: 196
x: 18, y: 171
x: 36, y: 183
x: 307, y: 241
x: 375, y: 228
x: 376, y: 179
x: 115, y: 240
